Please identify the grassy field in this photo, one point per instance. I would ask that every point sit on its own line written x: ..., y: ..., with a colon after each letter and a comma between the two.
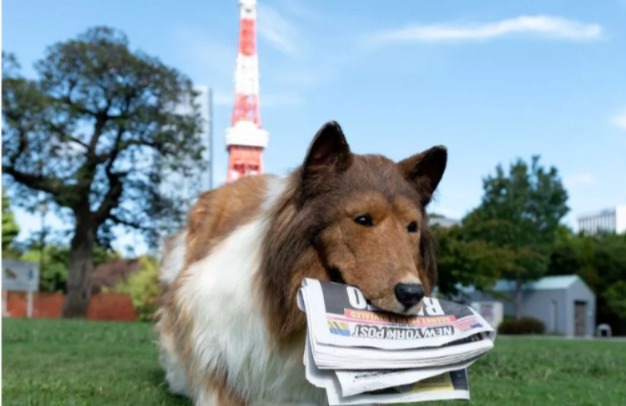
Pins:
x: 52, y: 362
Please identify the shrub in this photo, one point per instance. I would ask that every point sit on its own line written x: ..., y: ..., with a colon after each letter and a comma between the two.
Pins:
x: 525, y: 325
x: 143, y: 286
x: 53, y: 275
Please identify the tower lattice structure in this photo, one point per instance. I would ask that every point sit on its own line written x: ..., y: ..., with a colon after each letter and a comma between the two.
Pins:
x: 245, y: 139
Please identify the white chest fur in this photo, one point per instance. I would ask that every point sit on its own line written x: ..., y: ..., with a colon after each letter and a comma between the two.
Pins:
x: 230, y: 335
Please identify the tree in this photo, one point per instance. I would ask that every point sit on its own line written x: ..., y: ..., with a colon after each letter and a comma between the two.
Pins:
x: 519, y: 217
x: 143, y: 287
x: 93, y: 134
x: 615, y: 297
x: 600, y: 260
x: 53, y: 275
x: 461, y: 261
x: 10, y: 229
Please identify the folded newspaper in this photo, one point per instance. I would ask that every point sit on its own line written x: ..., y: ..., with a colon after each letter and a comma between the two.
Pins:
x: 362, y: 355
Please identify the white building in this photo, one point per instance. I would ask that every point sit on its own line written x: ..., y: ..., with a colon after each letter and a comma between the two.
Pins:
x: 185, y: 189
x: 443, y: 222
x: 611, y: 220
x: 205, y: 101
x: 564, y: 303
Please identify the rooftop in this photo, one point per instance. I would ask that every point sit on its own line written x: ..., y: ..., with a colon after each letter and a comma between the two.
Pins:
x: 545, y: 283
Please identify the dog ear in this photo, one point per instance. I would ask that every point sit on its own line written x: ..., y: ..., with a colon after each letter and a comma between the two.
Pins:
x: 329, y: 152
x: 424, y: 170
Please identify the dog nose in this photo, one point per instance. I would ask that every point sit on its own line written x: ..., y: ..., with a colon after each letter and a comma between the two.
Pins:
x: 409, y: 294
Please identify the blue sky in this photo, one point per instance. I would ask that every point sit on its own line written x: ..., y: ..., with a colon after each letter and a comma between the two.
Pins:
x: 492, y: 80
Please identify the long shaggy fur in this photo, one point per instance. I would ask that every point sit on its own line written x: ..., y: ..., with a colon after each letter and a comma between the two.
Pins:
x: 230, y: 332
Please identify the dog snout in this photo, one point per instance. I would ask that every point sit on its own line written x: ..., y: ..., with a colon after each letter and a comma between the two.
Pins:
x: 409, y: 294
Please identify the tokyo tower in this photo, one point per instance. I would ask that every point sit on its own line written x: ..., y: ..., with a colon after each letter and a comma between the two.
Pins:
x: 245, y: 139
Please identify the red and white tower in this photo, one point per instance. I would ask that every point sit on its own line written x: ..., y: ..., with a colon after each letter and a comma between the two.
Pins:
x: 245, y: 140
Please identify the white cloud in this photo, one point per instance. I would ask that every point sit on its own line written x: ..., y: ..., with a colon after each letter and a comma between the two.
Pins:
x: 620, y: 120
x: 543, y: 26
x: 580, y: 179
x: 301, y: 10
x: 277, y: 30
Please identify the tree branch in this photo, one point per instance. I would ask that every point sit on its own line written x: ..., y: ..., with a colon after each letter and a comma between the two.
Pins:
x: 76, y: 140
x: 22, y: 145
x: 68, y: 100
x: 123, y: 222
x: 112, y: 197
x: 101, y: 120
x: 66, y: 137
x: 119, y: 146
x: 35, y: 181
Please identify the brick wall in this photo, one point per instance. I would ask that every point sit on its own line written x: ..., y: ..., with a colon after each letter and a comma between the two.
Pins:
x: 103, y: 306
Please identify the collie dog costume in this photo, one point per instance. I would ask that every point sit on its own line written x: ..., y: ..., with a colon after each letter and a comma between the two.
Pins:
x: 230, y: 331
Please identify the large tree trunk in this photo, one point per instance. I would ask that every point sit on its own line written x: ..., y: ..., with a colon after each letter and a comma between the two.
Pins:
x: 80, y: 267
x: 518, y: 298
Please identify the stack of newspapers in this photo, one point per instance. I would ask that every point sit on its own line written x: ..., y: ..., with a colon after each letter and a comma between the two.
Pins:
x: 362, y: 355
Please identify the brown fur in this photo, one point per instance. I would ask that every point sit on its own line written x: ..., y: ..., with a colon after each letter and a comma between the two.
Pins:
x: 215, y: 215
x: 219, y: 212
x: 312, y: 233
x: 225, y: 396
x: 308, y: 240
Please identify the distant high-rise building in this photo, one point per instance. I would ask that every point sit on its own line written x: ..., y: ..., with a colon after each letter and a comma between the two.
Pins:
x: 611, y: 220
x: 205, y: 102
x: 182, y: 190
x: 185, y: 189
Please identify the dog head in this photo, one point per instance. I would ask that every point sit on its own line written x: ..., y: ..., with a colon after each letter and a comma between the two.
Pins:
x: 369, y: 218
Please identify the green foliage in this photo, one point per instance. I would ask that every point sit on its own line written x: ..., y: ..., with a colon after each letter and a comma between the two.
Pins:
x: 99, y: 125
x: 518, y: 219
x: 524, y: 325
x: 143, y: 286
x: 10, y: 229
x: 615, y: 297
x: 600, y: 260
x: 54, y: 272
x: 94, y: 133
x: 463, y: 261
x: 53, y: 275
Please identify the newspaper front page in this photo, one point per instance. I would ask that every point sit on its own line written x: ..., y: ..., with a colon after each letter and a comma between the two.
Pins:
x: 351, y: 321
x: 389, y: 387
x: 361, y: 354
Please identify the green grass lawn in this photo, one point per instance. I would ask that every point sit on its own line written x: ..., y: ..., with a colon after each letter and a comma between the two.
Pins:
x: 53, y: 362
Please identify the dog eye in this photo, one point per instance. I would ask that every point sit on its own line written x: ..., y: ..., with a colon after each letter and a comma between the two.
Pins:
x: 412, y: 227
x: 364, y: 220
